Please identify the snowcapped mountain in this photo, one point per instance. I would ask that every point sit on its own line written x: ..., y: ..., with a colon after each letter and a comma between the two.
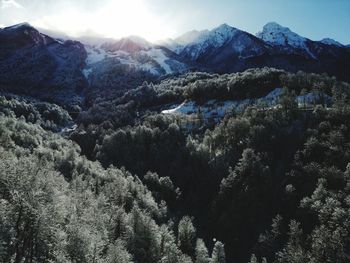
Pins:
x: 285, y: 39
x: 62, y: 70
x: 222, y: 49
x: 228, y: 49
x: 204, y: 41
x: 22, y: 35
x: 129, y: 56
x: 276, y: 34
x: 329, y: 41
x: 31, y: 62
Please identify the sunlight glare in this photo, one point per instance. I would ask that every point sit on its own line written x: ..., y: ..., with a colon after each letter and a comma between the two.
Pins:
x: 115, y: 19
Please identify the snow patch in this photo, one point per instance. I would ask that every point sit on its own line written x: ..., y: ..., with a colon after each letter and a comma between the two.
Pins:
x: 95, y: 54
x: 160, y: 58
x: 87, y: 72
x: 218, y: 109
x: 312, y: 98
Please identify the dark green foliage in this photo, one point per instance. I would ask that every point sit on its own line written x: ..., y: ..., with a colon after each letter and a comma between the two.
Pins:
x: 57, y: 206
x: 49, y: 116
x: 218, y: 255
x: 202, y: 255
x: 186, y: 235
x: 271, y: 183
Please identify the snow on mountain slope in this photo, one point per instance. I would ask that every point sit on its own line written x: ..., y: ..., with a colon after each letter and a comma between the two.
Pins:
x: 211, y: 108
x: 208, y: 40
x: 329, y: 41
x: 134, y: 53
x: 278, y: 35
x: 159, y: 56
x: 218, y: 109
x: 95, y: 54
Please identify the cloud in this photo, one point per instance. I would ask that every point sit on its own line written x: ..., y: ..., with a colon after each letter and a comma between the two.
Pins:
x: 6, y: 4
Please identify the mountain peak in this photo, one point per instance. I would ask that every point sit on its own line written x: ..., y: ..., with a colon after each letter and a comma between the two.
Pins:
x: 24, y: 34
x: 139, y: 40
x: 224, y: 28
x: 221, y: 34
x: 274, y: 26
x: 276, y: 34
x: 23, y: 25
x: 329, y: 41
x: 129, y: 44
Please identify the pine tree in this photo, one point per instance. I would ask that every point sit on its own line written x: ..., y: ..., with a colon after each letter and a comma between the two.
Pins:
x: 201, y: 252
x: 117, y: 253
x: 253, y: 259
x: 186, y: 235
x: 218, y: 255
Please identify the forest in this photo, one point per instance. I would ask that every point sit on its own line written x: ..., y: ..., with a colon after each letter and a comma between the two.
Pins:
x: 130, y: 184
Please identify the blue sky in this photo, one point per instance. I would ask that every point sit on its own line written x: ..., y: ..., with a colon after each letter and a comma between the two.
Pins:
x: 155, y: 19
x: 315, y: 19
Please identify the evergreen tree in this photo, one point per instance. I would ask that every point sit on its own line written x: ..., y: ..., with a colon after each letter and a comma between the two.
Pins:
x: 201, y: 252
x: 218, y: 255
x: 186, y: 235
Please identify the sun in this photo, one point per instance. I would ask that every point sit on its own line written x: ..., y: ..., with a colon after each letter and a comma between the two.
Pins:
x: 114, y: 18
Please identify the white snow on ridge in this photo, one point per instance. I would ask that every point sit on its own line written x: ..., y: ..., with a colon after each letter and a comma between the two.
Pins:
x: 279, y: 35
x: 214, y: 38
x: 329, y: 41
x: 276, y: 34
x: 94, y: 54
x: 157, y: 60
x: 217, y: 109
x: 160, y: 58
x: 213, y: 108
x: 25, y: 24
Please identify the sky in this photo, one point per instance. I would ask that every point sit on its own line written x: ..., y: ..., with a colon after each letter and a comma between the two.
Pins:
x: 161, y: 19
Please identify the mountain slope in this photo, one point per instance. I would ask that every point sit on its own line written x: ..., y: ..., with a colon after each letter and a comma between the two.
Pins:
x: 67, y: 71
x: 62, y: 71
x: 226, y: 49
x: 129, y: 59
x: 284, y: 38
x: 38, y: 65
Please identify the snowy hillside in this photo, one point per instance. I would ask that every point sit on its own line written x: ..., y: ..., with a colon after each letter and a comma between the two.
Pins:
x: 204, y: 40
x: 329, y: 41
x: 136, y: 53
x: 278, y: 35
x: 218, y: 109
